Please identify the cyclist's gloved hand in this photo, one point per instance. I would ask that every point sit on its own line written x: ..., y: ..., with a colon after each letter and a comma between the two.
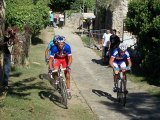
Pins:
x: 46, y: 59
x: 116, y: 69
x: 68, y: 68
x: 128, y: 68
x: 50, y: 70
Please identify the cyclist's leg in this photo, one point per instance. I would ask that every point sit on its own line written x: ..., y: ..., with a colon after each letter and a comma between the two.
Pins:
x: 123, y: 66
x: 115, y: 77
x: 66, y: 72
x: 56, y: 65
x: 67, y: 76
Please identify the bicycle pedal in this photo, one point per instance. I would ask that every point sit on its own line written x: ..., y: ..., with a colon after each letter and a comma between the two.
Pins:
x: 115, y: 89
x: 126, y: 91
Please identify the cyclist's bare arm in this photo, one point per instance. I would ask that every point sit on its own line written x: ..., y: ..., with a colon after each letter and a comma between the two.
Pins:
x: 46, y: 53
x: 111, y: 62
x: 129, y: 62
x: 50, y: 62
x: 69, y: 60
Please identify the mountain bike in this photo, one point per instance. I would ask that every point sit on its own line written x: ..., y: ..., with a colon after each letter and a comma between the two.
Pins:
x: 121, y: 88
x: 60, y: 85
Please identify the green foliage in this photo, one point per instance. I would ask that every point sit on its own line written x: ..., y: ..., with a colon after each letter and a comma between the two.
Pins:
x: 108, y: 4
x: 22, y: 12
x: 89, y: 4
x: 143, y: 20
x: 61, y: 5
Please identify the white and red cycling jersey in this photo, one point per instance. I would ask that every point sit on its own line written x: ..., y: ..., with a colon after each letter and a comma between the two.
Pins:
x: 118, y: 59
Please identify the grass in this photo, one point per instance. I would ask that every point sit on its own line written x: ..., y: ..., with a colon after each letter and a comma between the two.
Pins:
x: 86, y: 40
x: 31, y: 98
x: 153, y: 90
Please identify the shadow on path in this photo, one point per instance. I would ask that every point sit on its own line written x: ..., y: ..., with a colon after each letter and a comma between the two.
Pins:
x: 18, y: 74
x: 99, y: 62
x: 44, y: 76
x: 104, y: 94
x: 139, y: 106
x: 52, y: 97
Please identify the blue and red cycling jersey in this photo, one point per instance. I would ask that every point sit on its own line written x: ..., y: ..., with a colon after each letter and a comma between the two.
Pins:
x: 50, y: 45
x: 55, y: 52
x: 119, y: 59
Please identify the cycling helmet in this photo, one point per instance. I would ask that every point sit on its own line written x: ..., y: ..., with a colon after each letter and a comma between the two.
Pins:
x: 123, y: 47
x: 55, y: 38
x: 61, y: 39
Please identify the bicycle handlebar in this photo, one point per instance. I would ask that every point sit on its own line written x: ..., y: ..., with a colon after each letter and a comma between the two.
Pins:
x: 130, y: 70
x: 62, y: 69
x: 120, y: 69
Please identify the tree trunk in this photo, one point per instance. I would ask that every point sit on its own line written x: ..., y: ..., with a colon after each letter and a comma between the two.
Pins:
x: 2, y: 19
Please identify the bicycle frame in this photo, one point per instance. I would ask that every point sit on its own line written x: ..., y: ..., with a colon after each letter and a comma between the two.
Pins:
x: 121, y: 86
x: 61, y: 85
x: 59, y: 71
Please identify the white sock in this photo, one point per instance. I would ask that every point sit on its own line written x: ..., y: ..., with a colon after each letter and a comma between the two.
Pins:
x: 68, y: 90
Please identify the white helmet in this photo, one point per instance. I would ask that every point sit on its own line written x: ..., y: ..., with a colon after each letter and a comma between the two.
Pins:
x: 123, y: 47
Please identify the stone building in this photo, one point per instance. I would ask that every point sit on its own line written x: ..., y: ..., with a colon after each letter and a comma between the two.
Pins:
x: 111, y: 15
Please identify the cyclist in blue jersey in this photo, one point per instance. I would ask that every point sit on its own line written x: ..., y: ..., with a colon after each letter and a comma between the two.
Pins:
x: 49, y: 47
x: 61, y: 55
x: 118, y: 61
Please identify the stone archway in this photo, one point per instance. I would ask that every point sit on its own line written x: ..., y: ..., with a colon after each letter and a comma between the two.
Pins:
x: 108, y: 19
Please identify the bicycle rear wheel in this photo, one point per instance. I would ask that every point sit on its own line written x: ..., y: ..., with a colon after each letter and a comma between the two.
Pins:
x: 63, y: 92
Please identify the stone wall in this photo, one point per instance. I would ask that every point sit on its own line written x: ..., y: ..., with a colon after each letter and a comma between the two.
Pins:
x: 119, y: 14
x: 72, y: 20
x: 112, y: 17
x: 105, y: 18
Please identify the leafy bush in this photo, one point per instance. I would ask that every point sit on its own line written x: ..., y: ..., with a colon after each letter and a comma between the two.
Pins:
x: 61, y: 5
x: 143, y: 20
x: 22, y: 12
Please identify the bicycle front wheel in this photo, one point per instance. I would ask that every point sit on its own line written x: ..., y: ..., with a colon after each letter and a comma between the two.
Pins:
x: 123, y: 93
x: 63, y: 91
x: 119, y: 90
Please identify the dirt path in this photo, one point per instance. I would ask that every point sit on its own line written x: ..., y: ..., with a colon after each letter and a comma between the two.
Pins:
x: 95, y: 83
